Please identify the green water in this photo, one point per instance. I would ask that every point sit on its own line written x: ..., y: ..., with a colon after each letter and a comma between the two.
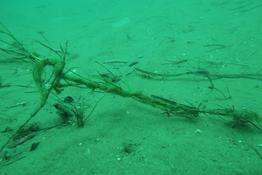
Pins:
x: 199, y: 54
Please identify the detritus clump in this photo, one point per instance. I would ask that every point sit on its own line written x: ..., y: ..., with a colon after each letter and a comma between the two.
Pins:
x: 67, y: 109
x: 245, y: 118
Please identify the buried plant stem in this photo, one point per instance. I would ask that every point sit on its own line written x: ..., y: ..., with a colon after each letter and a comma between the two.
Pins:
x: 203, y: 73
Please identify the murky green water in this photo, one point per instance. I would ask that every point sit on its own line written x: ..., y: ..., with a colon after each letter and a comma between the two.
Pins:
x: 161, y: 87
